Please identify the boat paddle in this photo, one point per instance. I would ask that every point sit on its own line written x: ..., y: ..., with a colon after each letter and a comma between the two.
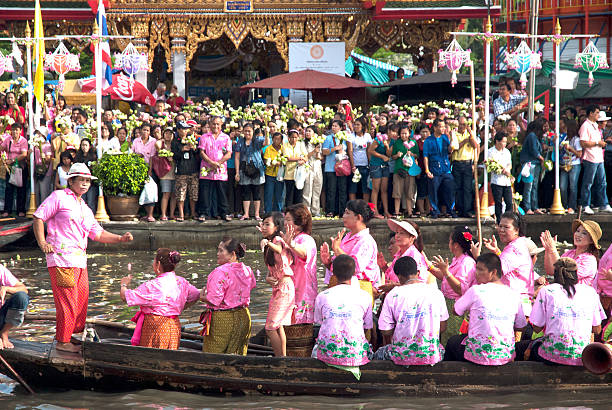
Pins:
x: 16, y: 375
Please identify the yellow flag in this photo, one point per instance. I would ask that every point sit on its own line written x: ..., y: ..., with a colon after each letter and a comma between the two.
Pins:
x: 39, y: 77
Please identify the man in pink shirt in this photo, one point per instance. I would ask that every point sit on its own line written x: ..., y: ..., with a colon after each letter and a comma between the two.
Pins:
x: 412, y: 318
x: 495, y: 312
x: 215, y: 149
x: 594, y: 178
x: 14, y: 301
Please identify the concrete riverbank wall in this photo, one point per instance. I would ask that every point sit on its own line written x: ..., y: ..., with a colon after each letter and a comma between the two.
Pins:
x: 196, y: 236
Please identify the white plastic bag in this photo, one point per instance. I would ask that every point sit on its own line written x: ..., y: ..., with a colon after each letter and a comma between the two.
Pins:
x: 149, y: 193
x: 280, y: 176
x: 526, y: 170
x: 300, y: 176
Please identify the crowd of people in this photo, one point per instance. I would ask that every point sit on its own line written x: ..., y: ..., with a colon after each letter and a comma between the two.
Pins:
x: 407, y: 161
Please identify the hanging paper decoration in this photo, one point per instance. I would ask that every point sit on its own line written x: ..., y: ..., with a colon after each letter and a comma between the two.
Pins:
x: 522, y: 60
x: 6, y: 64
x: 131, y: 61
x: 454, y: 57
x: 61, y: 61
x: 591, y: 60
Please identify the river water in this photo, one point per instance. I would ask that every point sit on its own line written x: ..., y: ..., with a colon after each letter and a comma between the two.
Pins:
x: 105, y: 272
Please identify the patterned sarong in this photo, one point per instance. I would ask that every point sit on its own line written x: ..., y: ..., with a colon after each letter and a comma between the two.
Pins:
x: 229, y: 332
x: 160, y: 332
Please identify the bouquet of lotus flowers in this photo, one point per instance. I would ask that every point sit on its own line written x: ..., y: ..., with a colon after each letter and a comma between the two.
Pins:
x: 62, y: 122
x: 114, y: 151
x: 278, y: 160
x: 120, y: 115
x: 190, y: 139
x: 37, y: 141
x: 6, y: 120
x: 20, y: 86
x: 504, y: 118
x: 3, y: 156
x: 494, y: 166
x: 517, y: 197
x: 538, y: 106
x: 317, y: 139
x: 132, y: 122
x: 382, y: 137
x: 164, y: 153
x: 204, y: 172
x: 548, y: 165
x: 409, y: 144
x: 356, y: 176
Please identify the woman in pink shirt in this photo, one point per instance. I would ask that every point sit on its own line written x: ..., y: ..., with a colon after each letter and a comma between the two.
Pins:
x: 604, y: 281
x: 358, y: 243
x: 227, y: 320
x: 458, y: 276
x: 161, y: 301
x: 16, y: 149
x: 409, y: 242
x: 495, y: 311
x: 568, y: 312
x: 70, y: 222
x: 298, y: 228
x: 586, y: 250
x: 516, y: 261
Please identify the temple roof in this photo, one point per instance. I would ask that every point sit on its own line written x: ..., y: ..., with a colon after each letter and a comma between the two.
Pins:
x: 50, y: 10
x: 423, y: 9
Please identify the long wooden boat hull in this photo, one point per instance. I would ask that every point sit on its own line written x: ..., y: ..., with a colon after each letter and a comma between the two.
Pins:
x: 12, y: 229
x: 119, y: 366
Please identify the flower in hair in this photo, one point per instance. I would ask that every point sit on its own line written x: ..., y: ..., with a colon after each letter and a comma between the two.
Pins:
x: 467, y: 236
x: 372, y: 206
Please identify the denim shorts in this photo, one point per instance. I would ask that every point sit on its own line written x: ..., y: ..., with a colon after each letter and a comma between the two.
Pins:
x: 379, y: 171
x: 362, y: 185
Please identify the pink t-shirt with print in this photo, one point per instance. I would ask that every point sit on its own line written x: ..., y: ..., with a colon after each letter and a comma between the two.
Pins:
x: 418, y: 257
x: 602, y: 285
x: 69, y: 223
x: 415, y: 312
x: 517, y: 267
x: 362, y: 247
x: 215, y: 149
x: 495, y: 311
x: 305, y: 279
x: 343, y: 312
x: 567, y: 322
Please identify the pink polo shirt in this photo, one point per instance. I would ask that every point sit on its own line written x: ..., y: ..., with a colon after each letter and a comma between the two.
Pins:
x: 362, y: 247
x: 69, y: 223
x: 587, y: 266
x: 602, y: 285
x: 14, y: 149
x: 418, y: 257
x: 166, y: 295
x: 495, y: 311
x: 567, y: 322
x: 215, y: 149
x: 147, y: 150
x: 229, y: 286
x: 589, y: 131
x: 414, y: 312
x: 305, y: 279
x: 463, y: 269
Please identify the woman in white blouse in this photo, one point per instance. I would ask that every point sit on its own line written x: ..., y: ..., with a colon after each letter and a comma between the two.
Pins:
x: 501, y: 183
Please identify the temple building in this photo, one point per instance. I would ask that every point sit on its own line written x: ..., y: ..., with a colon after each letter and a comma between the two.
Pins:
x: 212, y: 46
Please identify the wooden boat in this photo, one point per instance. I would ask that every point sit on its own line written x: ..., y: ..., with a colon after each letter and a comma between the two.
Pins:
x: 12, y: 229
x: 112, y: 364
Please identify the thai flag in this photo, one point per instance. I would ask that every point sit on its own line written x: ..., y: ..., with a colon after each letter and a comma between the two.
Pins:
x: 107, y: 64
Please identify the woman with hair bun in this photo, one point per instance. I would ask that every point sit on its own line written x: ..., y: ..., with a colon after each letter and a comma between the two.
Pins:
x: 161, y: 301
x: 568, y: 312
x: 227, y: 320
x: 358, y: 244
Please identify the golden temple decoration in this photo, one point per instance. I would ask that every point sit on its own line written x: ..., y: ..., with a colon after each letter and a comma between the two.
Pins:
x: 314, y: 31
x: 159, y: 36
x: 333, y: 30
x: 295, y: 29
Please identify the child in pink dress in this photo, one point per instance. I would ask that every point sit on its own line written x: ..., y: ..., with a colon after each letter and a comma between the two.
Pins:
x: 278, y: 259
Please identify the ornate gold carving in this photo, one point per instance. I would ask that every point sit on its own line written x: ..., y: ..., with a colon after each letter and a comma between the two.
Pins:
x: 350, y: 40
x: 314, y: 31
x: 199, y: 32
x: 333, y: 30
x: 178, y: 27
x: 159, y: 36
x: 113, y: 30
x: 295, y: 29
x: 274, y: 31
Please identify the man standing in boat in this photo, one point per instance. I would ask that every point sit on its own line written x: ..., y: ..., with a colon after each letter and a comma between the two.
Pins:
x: 69, y: 223
x: 14, y: 301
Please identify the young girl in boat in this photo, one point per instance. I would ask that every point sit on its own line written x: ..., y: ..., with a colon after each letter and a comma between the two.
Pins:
x: 458, y: 276
x: 278, y: 258
x: 495, y: 311
x: 227, y: 320
x: 161, y: 301
x: 569, y: 312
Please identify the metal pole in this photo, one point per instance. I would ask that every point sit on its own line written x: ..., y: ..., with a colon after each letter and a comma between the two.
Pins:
x: 484, y: 202
x: 557, y: 205
x: 32, y: 206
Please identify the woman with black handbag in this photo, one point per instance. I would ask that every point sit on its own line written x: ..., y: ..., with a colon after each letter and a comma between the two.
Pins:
x: 250, y: 169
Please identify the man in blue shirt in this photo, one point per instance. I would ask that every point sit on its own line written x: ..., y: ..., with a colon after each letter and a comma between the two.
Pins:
x: 436, y: 149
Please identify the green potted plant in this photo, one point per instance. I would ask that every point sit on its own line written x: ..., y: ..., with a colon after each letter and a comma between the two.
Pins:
x: 122, y: 176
